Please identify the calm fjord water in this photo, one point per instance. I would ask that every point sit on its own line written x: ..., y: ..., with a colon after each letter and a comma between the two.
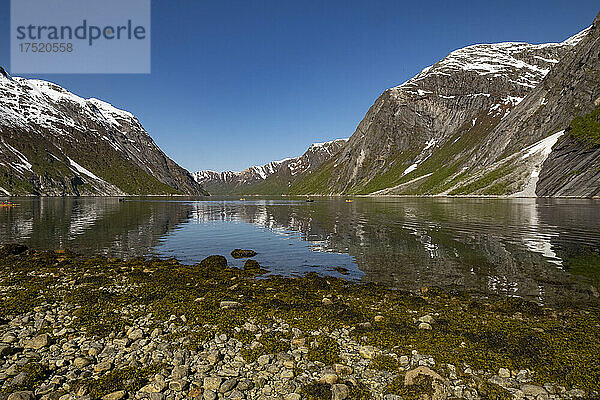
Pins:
x: 543, y: 250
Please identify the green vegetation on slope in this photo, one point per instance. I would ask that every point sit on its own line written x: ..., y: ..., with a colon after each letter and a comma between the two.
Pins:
x: 316, y: 182
x: 53, y: 170
x: 131, y: 179
x: 487, y: 182
x: 586, y: 128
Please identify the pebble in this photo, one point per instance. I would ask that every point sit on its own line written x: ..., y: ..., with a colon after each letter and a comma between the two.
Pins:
x: 367, y: 351
x: 81, y: 362
x: 339, y: 391
x: 103, y: 366
x: 228, y: 385
x: 212, y: 383
x: 424, y: 325
x: 118, y: 395
x: 533, y: 390
x: 21, y: 396
x: 329, y: 378
x: 38, y: 342
x: 230, y: 304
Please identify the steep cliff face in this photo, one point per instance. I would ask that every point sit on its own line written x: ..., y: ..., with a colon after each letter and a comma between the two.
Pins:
x: 466, y: 125
x: 571, y: 170
x: 53, y: 142
x: 273, y: 178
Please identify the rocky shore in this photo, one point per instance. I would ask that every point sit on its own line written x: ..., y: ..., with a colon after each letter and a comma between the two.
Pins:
x: 75, y: 327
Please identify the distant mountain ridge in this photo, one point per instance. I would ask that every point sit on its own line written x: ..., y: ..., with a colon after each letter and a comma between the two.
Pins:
x: 272, y: 178
x: 53, y: 142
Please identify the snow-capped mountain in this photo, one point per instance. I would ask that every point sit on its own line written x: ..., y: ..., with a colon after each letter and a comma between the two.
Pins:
x: 443, y: 131
x: 272, y: 178
x: 53, y: 142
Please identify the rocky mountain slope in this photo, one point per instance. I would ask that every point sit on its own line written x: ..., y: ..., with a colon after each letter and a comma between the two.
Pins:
x: 53, y: 142
x: 273, y: 178
x: 482, y: 121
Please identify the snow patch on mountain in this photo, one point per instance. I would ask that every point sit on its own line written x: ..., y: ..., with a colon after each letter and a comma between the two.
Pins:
x: 25, y: 103
x: 82, y: 170
x: 540, y: 151
x: 496, y: 60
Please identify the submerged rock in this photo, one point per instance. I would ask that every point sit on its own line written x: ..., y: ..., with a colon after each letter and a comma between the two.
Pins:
x: 251, y: 265
x: 240, y: 253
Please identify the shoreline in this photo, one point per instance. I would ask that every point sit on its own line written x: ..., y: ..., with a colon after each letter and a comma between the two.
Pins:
x: 73, y: 326
x: 234, y: 196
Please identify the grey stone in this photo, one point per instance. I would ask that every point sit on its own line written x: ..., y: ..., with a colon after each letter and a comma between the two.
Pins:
x: 135, y: 334
x: 237, y: 395
x: 228, y: 385
x: 103, y: 366
x: 339, y: 391
x: 19, y: 379
x: 209, y: 395
x: 81, y: 362
x: 21, y: 396
x: 212, y: 383
x: 179, y: 372
x: 264, y: 359
x: 424, y: 325
x: 38, y: 342
x: 533, y: 390
x: 329, y: 378
x: 230, y: 304
x: 118, y: 395
x: 504, y: 373
x: 177, y: 386
x: 367, y: 351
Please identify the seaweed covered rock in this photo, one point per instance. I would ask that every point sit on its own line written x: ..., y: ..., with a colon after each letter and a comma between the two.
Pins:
x: 240, y: 253
x: 251, y: 265
x: 214, y: 262
x: 12, y: 249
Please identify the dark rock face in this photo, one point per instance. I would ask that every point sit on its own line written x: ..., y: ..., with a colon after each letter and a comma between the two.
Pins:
x: 572, y: 169
x: 53, y: 142
x: 273, y: 178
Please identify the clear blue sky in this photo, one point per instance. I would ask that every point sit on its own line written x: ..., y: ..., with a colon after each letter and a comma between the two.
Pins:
x: 238, y: 83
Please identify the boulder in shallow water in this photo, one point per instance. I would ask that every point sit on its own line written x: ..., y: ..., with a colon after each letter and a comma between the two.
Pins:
x: 214, y: 262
